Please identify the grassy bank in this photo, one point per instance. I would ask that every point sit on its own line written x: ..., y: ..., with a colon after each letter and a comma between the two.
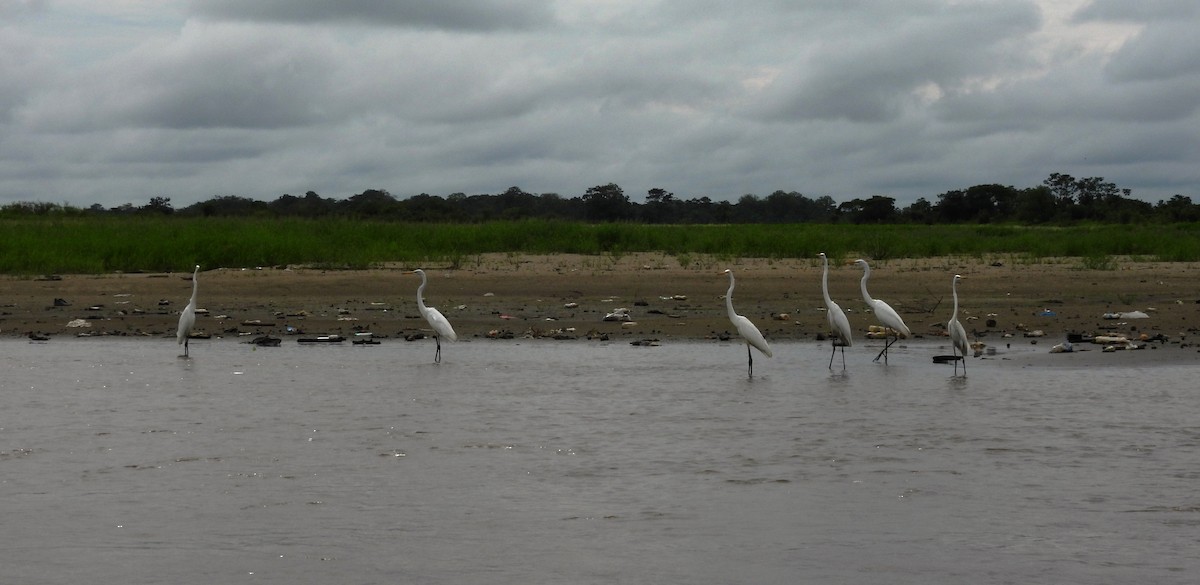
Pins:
x: 98, y: 245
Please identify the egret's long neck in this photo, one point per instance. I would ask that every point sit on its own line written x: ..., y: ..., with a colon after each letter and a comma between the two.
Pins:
x: 955, y: 290
x: 729, y: 298
x: 421, y: 293
x: 195, y: 286
x: 863, y: 284
x: 825, y: 280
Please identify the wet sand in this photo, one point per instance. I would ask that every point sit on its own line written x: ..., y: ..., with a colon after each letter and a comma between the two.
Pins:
x: 567, y: 296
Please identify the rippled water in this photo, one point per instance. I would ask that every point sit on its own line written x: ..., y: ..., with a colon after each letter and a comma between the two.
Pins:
x: 574, y: 462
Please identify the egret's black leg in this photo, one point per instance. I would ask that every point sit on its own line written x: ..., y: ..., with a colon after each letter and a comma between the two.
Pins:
x: 750, y: 357
x: 886, y: 344
x: 185, y: 346
x: 437, y: 356
x: 832, y: 353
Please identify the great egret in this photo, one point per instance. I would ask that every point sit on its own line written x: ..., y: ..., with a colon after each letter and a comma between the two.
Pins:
x: 958, y: 335
x: 886, y: 315
x: 187, y: 319
x: 745, y: 328
x: 441, y: 326
x: 838, y: 323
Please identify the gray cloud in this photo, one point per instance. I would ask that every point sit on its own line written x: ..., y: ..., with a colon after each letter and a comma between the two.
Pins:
x: 1143, y: 11
x: 22, y: 68
x: 876, y: 77
x: 906, y: 98
x: 1163, y: 51
x: 468, y: 15
x: 233, y: 77
x: 18, y: 8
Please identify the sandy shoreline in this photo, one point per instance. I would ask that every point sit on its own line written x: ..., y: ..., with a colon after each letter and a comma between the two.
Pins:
x: 567, y: 297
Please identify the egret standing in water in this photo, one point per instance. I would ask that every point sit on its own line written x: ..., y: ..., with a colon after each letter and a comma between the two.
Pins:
x: 745, y: 328
x: 439, y: 323
x: 839, y: 325
x: 886, y: 315
x: 187, y: 319
x: 958, y: 335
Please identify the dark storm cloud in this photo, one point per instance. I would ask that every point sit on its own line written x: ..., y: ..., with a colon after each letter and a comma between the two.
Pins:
x: 466, y: 15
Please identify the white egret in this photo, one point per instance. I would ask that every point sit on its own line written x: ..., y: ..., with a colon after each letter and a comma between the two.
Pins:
x: 187, y: 319
x: 745, y: 328
x: 439, y: 323
x: 839, y: 325
x: 958, y: 335
x: 886, y: 315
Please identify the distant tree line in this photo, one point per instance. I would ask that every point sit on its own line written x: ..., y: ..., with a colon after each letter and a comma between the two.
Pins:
x: 1060, y: 199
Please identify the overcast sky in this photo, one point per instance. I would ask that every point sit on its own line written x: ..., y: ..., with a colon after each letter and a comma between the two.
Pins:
x: 122, y: 100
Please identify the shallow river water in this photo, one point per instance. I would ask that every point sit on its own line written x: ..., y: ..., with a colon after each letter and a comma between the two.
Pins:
x: 576, y: 462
